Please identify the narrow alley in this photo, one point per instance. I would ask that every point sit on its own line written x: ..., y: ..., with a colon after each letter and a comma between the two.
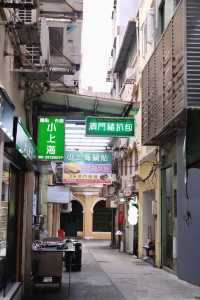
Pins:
x: 110, y: 274
x: 99, y: 149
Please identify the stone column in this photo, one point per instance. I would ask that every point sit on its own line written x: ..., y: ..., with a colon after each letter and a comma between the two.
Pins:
x: 88, y: 218
x: 90, y: 201
x: 50, y: 219
x: 43, y: 185
x: 56, y: 219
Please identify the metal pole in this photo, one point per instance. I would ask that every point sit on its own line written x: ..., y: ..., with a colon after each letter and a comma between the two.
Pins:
x: 70, y: 253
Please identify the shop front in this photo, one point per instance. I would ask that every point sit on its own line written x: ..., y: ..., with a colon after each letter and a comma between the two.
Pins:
x: 17, y: 189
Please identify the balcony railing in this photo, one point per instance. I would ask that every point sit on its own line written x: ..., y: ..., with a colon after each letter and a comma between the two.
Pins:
x: 171, y: 78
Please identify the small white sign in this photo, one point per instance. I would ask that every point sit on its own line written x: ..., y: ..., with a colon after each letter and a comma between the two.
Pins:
x: 59, y: 194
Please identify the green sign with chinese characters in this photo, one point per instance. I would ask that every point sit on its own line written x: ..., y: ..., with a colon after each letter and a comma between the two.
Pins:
x: 100, y: 157
x: 119, y: 127
x: 51, y: 136
x: 23, y: 140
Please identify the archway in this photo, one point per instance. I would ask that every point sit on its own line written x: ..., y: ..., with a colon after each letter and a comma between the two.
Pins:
x: 72, y: 222
x: 102, y: 217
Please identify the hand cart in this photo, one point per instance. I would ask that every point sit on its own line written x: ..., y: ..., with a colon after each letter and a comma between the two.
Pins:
x: 47, y: 265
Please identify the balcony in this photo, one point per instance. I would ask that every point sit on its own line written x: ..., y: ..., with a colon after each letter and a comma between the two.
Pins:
x: 171, y: 78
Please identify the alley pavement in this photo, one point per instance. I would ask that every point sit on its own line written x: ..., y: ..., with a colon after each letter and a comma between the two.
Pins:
x: 110, y: 274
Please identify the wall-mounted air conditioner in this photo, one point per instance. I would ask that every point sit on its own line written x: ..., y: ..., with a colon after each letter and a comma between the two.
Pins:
x: 27, y: 16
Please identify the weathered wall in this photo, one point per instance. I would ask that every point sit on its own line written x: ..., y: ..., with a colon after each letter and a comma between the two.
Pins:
x: 152, y: 184
x: 188, y: 235
x: 8, y: 77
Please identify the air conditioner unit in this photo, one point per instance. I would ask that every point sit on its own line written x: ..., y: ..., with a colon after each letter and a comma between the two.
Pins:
x: 27, y: 16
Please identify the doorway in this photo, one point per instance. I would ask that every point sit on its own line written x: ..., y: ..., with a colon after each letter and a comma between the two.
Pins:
x: 168, y: 219
x: 148, y: 224
x: 72, y: 222
x: 102, y: 217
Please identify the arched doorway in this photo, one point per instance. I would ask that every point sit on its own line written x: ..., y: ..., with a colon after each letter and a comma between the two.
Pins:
x: 72, y: 222
x: 102, y: 217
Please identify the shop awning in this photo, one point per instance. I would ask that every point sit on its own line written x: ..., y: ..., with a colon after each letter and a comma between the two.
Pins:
x: 87, y: 104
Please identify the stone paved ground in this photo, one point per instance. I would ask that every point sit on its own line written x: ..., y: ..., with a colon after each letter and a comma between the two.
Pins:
x: 109, y: 274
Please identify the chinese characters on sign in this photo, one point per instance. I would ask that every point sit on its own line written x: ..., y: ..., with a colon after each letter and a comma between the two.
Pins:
x: 24, y: 142
x: 87, y: 167
x: 7, y: 112
x: 50, y: 144
x: 120, y: 127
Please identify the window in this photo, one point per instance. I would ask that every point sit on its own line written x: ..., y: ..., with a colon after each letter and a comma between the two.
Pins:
x: 162, y: 16
x: 151, y: 25
x: 166, y: 11
x: 144, y: 38
x: 56, y: 41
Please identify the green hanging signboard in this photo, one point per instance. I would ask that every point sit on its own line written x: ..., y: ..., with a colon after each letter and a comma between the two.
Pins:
x: 115, y: 127
x: 51, y: 137
x: 23, y: 140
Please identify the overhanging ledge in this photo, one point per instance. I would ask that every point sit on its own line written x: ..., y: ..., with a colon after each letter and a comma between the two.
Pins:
x: 88, y: 104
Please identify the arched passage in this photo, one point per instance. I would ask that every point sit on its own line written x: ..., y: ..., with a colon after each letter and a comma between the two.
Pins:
x: 72, y: 222
x: 102, y: 217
